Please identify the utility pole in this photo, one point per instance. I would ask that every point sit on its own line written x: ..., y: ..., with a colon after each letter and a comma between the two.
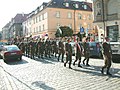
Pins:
x: 103, y: 14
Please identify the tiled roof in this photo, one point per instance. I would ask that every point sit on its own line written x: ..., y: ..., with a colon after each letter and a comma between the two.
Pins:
x: 19, y: 18
x: 61, y: 4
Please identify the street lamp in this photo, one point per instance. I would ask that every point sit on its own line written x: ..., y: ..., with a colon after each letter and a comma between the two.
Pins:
x: 103, y: 16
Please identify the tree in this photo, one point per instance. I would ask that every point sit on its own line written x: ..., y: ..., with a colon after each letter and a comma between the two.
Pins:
x: 63, y: 31
x: 58, y: 34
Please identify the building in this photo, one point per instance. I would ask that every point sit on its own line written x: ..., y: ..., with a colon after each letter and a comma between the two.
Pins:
x: 45, y: 20
x: 107, y: 18
x: 5, y: 32
x: 16, y: 25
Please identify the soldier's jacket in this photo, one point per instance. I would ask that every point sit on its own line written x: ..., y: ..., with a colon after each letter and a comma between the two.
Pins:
x: 106, y: 49
x: 61, y: 47
x: 86, y: 50
x: 79, y: 49
x: 68, y: 48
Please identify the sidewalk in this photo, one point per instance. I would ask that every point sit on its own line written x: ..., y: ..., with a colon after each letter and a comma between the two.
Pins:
x: 2, y: 80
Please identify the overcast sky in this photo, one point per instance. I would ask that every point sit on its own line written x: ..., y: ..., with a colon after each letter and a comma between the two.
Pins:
x: 9, y: 8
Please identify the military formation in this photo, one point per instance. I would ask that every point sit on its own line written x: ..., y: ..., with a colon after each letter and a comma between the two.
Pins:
x: 61, y: 48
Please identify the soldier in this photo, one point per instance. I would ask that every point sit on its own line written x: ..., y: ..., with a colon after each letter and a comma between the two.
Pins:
x: 78, y: 53
x: 42, y: 48
x: 32, y: 49
x: 107, y: 55
x: 22, y: 46
x: 46, y: 47
x: 86, y: 51
x: 61, y: 50
x: 68, y: 49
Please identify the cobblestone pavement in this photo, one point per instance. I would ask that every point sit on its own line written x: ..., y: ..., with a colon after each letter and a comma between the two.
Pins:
x: 49, y: 74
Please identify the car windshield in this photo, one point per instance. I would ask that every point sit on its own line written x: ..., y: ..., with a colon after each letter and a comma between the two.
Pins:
x: 92, y: 44
x: 12, y: 48
x: 2, y: 43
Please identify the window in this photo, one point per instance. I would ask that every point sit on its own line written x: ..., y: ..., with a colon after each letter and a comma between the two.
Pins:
x: 39, y: 18
x: 98, y: 10
x: 45, y: 15
x: 79, y: 16
x: 76, y: 6
x: 66, y: 4
x: 58, y: 14
x: 69, y: 15
x: 84, y: 6
x: 98, y: 5
x: 36, y: 19
x: 43, y: 27
x: 39, y: 28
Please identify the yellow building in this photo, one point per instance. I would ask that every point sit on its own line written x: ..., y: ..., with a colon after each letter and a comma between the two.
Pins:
x: 45, y: 20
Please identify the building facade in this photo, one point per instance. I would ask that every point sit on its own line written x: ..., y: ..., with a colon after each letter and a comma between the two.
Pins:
x: 5, y: 32
x: 45, y: 20
x: 14, y: 28
x: 107, y: 18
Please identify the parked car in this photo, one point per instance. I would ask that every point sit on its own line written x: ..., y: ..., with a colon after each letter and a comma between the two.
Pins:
x: 115, y: 46
x: 95, y: 49
x: 11, y: 52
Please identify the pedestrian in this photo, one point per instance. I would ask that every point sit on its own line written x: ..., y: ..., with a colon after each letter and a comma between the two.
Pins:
x: 68, y: 49
x: 107, y: 56
x: 78, y: 53
x: 61, y: 50
x: 86, y: 51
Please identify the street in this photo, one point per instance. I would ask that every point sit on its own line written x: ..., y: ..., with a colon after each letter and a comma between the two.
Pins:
x: 49, y: 74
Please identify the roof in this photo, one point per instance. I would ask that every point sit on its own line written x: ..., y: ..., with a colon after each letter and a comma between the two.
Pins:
x: 19, y: 18
x: 61, y: 4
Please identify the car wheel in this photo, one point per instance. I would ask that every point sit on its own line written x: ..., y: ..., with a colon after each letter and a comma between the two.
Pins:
x: 1, y: 57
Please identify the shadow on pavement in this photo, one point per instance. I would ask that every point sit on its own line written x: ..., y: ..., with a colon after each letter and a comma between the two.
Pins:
x: 14, y: 62
x: 47, y: 60
x: 96, y: 70
x: 42, y: 85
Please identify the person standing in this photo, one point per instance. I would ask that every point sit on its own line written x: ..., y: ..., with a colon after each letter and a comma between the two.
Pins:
x: 86, y: 51
x: 107, y: 56
x: 78, y: 53
x: 68, y: 49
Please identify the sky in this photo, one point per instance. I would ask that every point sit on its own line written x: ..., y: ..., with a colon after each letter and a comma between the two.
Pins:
x: 9, y: 8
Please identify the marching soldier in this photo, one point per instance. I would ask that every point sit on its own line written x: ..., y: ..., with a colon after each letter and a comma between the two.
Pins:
x: 107, y: 55
x: 61, y: 50
x: 78, y: 53
x: 86, y: 51
x: 68, y: 48
x: 32, y: 49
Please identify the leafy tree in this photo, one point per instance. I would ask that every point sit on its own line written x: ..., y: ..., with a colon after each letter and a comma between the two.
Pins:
x: 64, y: 31
x: 58, y: 34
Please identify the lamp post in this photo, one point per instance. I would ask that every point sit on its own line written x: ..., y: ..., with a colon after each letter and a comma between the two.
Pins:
x: 103, y: 17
